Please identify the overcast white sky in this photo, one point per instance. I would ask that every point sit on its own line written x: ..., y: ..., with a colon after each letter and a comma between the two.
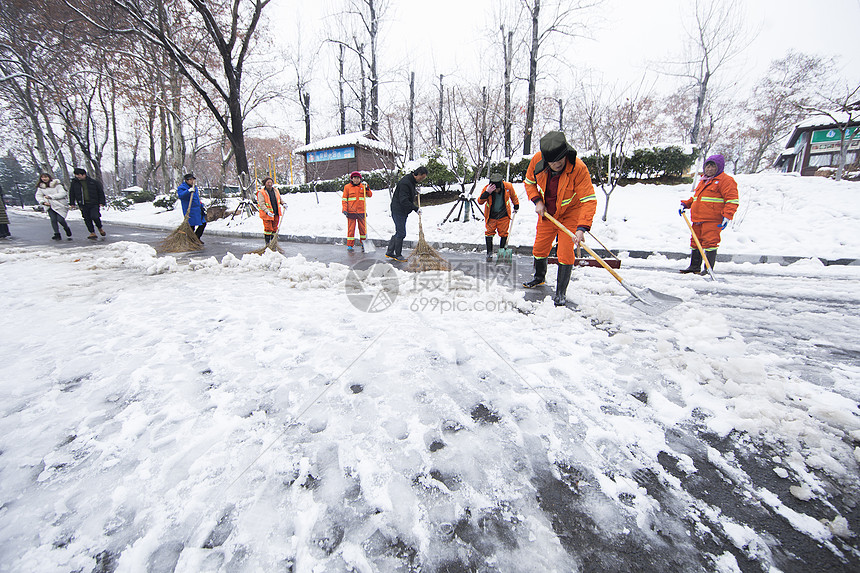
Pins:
x: 449, y: 36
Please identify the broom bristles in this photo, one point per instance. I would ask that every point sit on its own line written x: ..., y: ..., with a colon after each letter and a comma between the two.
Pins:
x: 424, y: 257
x: 271, y: 246
x: 181, y: 239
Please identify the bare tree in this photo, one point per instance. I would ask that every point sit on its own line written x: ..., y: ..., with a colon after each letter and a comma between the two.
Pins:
x: 778, y: 102
x: 717, y: 36
x: 548, y: 18
x: 230, y: 29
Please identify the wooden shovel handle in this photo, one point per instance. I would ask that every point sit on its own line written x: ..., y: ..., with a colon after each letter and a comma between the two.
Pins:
x: 586, y: 247
x: 698, y: 244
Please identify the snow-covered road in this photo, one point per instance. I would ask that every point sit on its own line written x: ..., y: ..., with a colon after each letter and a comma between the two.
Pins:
x: 165, y: 414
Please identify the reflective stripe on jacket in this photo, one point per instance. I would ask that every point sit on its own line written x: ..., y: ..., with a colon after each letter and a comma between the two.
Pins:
x: 267, y: 212
x: 510, y: 196
x: 353, y: 197
x: 575, y: 191
x: 714, y: 199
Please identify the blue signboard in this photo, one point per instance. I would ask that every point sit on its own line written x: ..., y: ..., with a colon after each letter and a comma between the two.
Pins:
x: 331, y: 154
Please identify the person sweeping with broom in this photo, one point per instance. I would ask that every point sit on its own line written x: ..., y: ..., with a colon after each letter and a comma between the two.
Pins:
x: 499, y: 196
x: 403, y: 203
x: 353, y: 207
x: 558, y: 183
x: 189, y: 197
x: 269, y: 204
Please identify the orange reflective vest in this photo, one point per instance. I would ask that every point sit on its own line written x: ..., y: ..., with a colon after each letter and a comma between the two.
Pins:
x: 510, y: 196
x: 575, y: 191
x: 714, y: 199
x: 264, y: 203
x: 353, y: 197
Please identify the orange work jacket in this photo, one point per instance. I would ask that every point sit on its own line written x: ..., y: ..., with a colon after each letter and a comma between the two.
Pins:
x: 353, y: 197
x: 714, y: 199
x: 510, y: 196
x: 267, y: 211
x: 575, y: 191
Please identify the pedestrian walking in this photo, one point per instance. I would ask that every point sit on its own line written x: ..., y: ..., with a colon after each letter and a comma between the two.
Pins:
x: 271, y: 210
x: 558, y: 183
x: 51, y: 194
x: 88, y: 195
x: 189, y: 198
x: 500, y: 199
x: 403, y: 202
x: 4, y: 218
x: 713, y: 204
x: 354, y: 208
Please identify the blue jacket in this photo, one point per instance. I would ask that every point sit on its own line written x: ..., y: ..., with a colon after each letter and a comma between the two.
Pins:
x: 186, y: 194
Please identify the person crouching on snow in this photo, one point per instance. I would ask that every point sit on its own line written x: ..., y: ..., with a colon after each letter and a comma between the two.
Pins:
x: 269, y: 203
x: 713, y: 204
x: 51, y: 193
x: 498, y: 196
x: 355, y: 194
x: 189, y: 198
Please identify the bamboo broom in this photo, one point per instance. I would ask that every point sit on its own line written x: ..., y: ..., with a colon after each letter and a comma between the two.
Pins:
x: 183, y: 238
x: 424, y: 257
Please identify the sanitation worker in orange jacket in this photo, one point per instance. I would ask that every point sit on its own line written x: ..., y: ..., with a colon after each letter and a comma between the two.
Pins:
x: 269, y: 203
x: 498, y: 195
x: 354, y: 194
x: 712, y: 205
x: 559, y: 184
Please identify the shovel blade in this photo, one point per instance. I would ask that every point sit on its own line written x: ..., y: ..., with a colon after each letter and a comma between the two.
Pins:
x: 504, y: 255
x: 652, y: 302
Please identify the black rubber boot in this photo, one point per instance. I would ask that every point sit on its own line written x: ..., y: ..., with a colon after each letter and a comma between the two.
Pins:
x: 712, y: 258
x: 560, y: 298
x: 540, y: 274
x: 695, y: 263
x: 503, y: 242
x: 267, y: 237
x: 489, y: 248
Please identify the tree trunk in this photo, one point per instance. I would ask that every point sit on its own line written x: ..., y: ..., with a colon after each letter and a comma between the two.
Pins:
x: 533, y: 57
x: 340, y: 103
x: 700, y: 108
x: 411, y: 116
x: 374, y: 77
x: 441, y: 112
x: 507, y: 48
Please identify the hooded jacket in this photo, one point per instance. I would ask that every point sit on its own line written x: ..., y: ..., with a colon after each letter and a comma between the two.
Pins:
x: 575, y: 191
x: 715, y: 197
x: 510, y: 195
x: 56, y: 197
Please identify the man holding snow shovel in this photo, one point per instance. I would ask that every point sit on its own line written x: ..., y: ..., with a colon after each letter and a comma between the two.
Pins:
x: 558, y: 183
x: 498, y: 196
x: 712, y: 205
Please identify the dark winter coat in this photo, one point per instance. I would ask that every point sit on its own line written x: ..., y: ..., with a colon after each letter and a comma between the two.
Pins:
x: 405, y: 197
x: 187, y: 195
x: 4, y: 219
x: 94, y: 189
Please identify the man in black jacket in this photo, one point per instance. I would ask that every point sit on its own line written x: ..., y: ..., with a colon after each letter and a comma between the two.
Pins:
x: 403, y: 202
x: 88, y: 194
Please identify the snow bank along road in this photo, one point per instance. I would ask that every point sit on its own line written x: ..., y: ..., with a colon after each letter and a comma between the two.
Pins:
x: 162, y: 413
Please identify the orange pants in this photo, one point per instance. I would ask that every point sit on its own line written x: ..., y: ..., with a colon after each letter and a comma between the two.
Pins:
x: 350, y: 230
x: 270, y: 227
x: 546, y: 234
x: 501, y: 225
x: 708, y: 233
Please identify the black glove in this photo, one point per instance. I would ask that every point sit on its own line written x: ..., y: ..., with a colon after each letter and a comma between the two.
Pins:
x: 516, y: 208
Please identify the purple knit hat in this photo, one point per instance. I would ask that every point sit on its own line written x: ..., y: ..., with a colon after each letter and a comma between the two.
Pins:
x: 717, y: 160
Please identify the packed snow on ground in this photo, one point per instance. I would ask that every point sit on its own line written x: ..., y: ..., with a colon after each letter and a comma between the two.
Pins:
x: 161, y: 413
x: 243, y: 415
x: 778, y: 215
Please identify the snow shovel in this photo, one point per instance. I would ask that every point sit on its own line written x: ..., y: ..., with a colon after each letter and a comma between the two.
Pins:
x: 648, y: 301
x: 699, y: 246
x: 506, y: 254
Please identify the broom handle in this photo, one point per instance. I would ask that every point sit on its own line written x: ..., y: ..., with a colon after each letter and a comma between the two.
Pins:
x: 614, y: 256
